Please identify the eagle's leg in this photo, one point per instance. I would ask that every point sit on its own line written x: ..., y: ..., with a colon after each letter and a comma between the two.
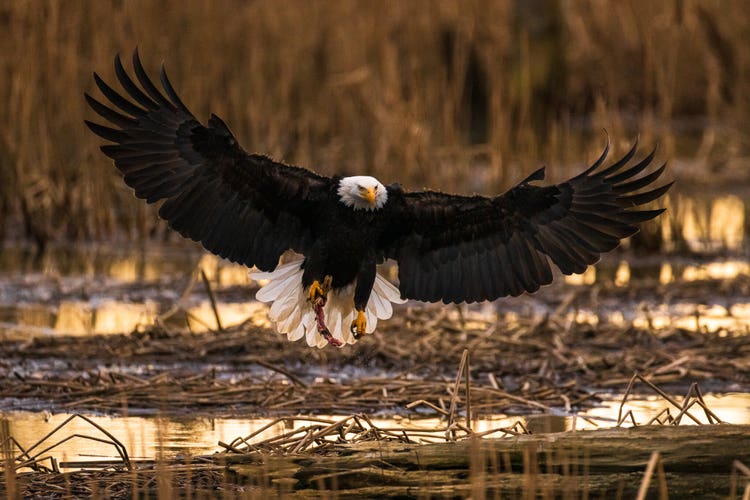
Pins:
x: 362, y: 291
x: 318, y: 295
x: 359, y: 325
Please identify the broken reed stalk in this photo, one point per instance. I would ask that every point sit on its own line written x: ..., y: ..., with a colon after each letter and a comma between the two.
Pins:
x: 283, y: 371
x: 696, y: 390
x: 178, y: 305
x: 26, y: 459
x: 349, y: 430
x: 119, y: 447
x: 212, y: 298
x: 422, y: 402
x: 283, y: 438
x: 454, y: 396
x: 693, y: 397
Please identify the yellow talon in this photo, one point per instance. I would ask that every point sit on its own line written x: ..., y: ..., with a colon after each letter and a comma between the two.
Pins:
x: 317, y: 292
x: 359, y: 325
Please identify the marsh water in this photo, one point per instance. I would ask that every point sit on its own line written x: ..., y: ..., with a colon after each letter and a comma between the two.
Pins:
x: 148, y: 438
x: 101, y: 290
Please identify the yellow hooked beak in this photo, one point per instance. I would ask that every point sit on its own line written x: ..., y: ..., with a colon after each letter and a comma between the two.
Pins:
x: 369, y: 195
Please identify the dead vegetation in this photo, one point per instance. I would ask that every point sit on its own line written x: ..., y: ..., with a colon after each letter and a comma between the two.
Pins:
x: 450, y: 364
x: 517, y: 365
x: 357, y: 457
x: 449, y: 94
x: 454, y: 95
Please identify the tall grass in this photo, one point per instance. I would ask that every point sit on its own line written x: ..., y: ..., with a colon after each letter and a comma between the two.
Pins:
x: 458, y: 95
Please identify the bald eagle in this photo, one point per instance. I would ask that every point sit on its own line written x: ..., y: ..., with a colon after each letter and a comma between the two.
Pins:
x: 250, y: 209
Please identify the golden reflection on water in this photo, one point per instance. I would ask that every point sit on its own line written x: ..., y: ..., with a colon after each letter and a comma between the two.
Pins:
x: 110, y: 316
x: 587, y: 278
x: 666, y: 275
x: 706, y: 224
x: 143, y: 437
x: 716, y: 270
x: 113, y: 317
x: 692, y: 315
x: 733, y: 408
x: 695, y: 224
x: 223, y: 273
x: 133, y: 269
x: 201, y: 318
x: 106, y: 317
x: 122, y: 265
x: 622, y: 274
x: 699, y: 223
x: 150, y: 437
x: 668, y: 272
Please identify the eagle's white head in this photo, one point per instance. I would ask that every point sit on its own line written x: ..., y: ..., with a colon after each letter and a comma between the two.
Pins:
x: 362, y: 192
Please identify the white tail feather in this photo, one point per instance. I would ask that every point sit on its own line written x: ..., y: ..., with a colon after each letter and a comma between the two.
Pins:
x: 293, y: 315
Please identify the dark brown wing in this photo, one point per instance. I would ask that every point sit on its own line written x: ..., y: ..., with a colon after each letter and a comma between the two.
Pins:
x: 467, y: 249
x: 244, y: 207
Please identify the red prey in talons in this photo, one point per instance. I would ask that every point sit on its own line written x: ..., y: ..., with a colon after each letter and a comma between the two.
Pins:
x: 318, y: 295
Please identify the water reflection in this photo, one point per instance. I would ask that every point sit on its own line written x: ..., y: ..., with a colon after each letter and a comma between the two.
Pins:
x: 122, y: 263
x: 38, y: 307
x: 687, y: 316
x: 144, y: 438
x: 158, y: 263
x: 624, y: 272
x: 149, y: 438
x: 109, y: 316
x: 102, y: 290
x: 701, y: 314
x: 695, y: 223
x: 705, y: 224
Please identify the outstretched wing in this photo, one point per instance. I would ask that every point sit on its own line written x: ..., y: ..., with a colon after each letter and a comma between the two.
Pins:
x: 243, y: 207
x: 460, y: 248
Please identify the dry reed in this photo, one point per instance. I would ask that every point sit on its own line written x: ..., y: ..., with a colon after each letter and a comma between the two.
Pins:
x: 542, y: 364
x: 450, y: 94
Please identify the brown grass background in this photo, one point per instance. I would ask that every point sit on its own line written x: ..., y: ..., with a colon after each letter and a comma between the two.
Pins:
x: 455, y: 94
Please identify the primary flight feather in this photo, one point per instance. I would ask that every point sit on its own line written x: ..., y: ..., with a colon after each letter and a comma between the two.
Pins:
x: 250, y: 209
